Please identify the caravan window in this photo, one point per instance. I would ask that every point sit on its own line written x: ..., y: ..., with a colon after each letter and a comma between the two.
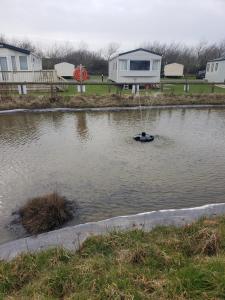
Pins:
x: 216, y: 67
x: 123, y: 64
x: 139, y: 65
x: 212, y: 67
x: 155, y: 65
x: 13, y: 59
x: 23, y: 63
x: 3, y: 64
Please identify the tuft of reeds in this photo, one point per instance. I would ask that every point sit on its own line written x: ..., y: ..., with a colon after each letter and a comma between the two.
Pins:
x: 45, y: 213
x: 208, y: 242
x: 138, y: 256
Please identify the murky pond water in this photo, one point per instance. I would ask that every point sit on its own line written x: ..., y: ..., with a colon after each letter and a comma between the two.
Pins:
x: 91, y: 157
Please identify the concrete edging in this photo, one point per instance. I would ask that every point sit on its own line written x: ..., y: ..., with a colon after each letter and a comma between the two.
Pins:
x: 72, y: 237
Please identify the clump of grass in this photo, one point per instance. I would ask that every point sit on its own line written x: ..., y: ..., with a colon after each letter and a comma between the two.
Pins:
x: 45, y: 213
x: 201, y: 241
x: 209, y: 242
x: 138, y: 256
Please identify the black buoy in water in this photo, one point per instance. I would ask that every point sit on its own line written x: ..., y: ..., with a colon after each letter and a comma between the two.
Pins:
x: 144, y: 137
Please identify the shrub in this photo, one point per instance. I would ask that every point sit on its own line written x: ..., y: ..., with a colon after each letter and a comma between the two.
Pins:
x: 45, y: 213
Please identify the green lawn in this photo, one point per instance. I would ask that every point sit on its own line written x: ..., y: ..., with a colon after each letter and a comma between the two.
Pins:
x: 168, y: 88
x: 167, y: 263
x: 99, y: 90
x: 91, y: 90
x: 193, y: 89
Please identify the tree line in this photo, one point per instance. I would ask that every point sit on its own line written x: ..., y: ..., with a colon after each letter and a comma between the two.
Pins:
x: 193, y: 58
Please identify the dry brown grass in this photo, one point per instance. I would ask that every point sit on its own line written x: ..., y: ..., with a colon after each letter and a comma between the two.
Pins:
x: 138, y: 256
x: 149, y: 285
x: 45, y: 213
x: 92, y: 101
x: 208, y: 242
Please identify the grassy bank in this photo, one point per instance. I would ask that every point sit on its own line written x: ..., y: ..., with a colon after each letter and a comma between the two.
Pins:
x: 113, y: 100
x: 167, y: 263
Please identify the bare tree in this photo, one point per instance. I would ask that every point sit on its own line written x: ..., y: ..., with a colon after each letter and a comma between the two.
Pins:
x: 59, y: 50
x: 193, y: 58
x: 221, y: 48
x: 2, y: 38
x: 111, y: 49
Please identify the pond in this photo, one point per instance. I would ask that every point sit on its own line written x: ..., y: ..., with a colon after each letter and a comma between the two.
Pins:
x: 90, y: 157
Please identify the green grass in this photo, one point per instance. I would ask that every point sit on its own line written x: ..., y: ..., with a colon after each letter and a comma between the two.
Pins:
x: 91, y: 90
x: 101, y: 90
x: 193, y: 89
x: 167, y: 263
x: 176, y: 89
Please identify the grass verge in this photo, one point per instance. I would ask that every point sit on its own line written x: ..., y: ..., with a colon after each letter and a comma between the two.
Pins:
x: 113, y: 100
x: 166, y: 263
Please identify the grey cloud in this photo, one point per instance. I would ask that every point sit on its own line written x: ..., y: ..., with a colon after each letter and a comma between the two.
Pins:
x: 98, y: 22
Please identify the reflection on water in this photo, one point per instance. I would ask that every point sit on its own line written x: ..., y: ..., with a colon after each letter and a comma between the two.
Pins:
x: 81, y: 126
x: 92, y: 158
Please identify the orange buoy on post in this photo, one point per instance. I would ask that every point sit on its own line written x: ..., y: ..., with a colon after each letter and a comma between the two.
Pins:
x: 80, y: 74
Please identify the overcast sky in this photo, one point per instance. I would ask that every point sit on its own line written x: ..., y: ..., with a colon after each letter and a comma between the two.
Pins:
x: 128, y: 22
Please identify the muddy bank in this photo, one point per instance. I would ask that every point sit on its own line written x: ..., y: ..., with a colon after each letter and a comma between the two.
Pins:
x: 87, y: 101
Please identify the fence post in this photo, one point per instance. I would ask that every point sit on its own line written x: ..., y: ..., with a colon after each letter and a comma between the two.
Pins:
x: 121, y: 90
x: 161, y: 87
x: 186, y: 89
x: 213, y: 88
x: 52, y: 90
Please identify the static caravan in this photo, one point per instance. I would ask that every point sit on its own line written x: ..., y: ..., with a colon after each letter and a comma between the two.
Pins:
x: 215, y: 70
x: 17, y: 59
x: 64, y: 70
x: 136, y: 66
x: 174, y: 70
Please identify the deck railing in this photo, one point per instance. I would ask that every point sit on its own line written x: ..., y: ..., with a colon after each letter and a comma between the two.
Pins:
x: 29, y: 76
